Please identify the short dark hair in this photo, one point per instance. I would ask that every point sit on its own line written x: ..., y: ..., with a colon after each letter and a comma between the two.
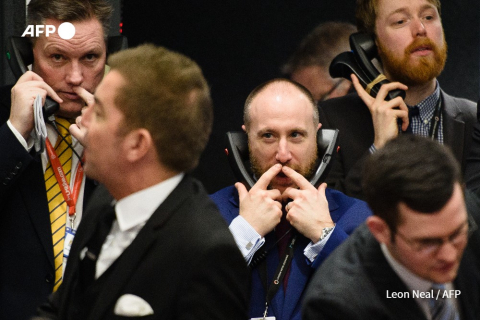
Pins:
x: 70, y: 11
x: 320, y: 46
x: 413, y: 170
x: 263, y: 86
x: 166, y: 93
x: 366, y: 14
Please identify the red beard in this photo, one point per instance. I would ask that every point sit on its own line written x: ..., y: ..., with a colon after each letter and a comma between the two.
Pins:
x: 418, y: 72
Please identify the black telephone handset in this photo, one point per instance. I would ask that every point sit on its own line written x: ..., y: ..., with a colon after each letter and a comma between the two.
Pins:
x: 20, y: 56
x: 238, y: 157
x: 359, y: 62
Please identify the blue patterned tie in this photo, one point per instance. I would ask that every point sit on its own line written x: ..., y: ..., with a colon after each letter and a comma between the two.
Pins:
x: 442, y: 308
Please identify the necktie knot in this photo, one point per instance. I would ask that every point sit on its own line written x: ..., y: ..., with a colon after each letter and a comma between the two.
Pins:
x: 94, y: 246
x: 62, y: 126
x: 413, y: 112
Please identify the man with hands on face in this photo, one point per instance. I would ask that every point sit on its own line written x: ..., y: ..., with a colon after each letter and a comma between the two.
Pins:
x: 283, y: 217
x: 412, y: 51
x: 32, y: 222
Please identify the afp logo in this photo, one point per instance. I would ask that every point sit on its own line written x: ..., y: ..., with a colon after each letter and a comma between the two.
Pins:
x: 65, y: 31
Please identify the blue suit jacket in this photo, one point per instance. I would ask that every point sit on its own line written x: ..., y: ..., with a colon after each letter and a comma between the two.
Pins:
x: 346, y: 212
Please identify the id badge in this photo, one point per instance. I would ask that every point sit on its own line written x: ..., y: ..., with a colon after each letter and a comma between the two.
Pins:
x: 69, y: 235
x: 262, y: 318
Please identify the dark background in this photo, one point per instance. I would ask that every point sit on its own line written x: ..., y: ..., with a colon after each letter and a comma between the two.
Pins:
x: 240, y: 44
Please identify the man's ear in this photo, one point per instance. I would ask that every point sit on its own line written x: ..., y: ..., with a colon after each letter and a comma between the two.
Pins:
x: 137, y: 144
x: 244, y: 128
x: 379, y: 229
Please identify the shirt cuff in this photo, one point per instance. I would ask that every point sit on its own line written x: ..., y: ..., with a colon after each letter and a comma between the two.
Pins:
x: 313, y: 250
x: 372, y: 149
x: 247, y: 239
x: 27, y: 145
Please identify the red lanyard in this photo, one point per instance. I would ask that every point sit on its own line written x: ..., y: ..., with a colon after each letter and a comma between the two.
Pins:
x: 69, y: 196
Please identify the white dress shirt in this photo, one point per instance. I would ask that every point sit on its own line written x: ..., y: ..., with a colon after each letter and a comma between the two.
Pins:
x: 249, y: 241
x: 132, y: 212
x: 53, y: 136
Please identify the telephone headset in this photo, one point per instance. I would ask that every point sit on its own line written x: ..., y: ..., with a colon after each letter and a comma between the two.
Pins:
x: 238, y: 156
x: 359, y: 62
x: 19, y: 53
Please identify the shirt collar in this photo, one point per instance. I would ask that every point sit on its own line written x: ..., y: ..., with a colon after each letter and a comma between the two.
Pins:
x: 412, y: 281
x: 137, y: 208
x: 427, y: 105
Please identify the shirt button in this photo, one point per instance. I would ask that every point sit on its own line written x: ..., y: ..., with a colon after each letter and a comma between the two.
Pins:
x: 425, y: 121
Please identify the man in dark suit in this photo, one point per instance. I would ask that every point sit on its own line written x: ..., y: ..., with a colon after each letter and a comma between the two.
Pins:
x: 283, y: 215
x: 412, y: 51
x: 32, y: 240
x: 168, y: 253
x: 415, y: 242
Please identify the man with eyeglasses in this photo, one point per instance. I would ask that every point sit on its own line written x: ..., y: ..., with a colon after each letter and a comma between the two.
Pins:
x: 412, y: 259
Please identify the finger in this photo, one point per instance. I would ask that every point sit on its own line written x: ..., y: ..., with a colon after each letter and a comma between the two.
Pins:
x: 52, y: 94
x: 76, y: 132
x: 387, y: 87
x: 368, y: 99
x: 29, y: 76
x: 403, y: 115
x: 274, y: 195
x: 290, y: 193
x: 322, y: 187
x: 85, y: 95
x: 242, y: 191
x: 36, y: 83
x: 265, y: 179
x: 297, y: 178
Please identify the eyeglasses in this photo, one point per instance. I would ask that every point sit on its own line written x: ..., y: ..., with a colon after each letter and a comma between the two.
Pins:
x: 433, y: 245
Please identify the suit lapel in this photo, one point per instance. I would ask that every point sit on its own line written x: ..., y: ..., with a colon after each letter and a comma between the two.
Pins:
x: 132, y: 256
x: 37, y: 206
x: 468, y: 282
x: 454, y: 130
x: 384, y: 278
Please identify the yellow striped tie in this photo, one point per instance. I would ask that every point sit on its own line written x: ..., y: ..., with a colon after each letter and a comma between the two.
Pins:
x: 56, y: 203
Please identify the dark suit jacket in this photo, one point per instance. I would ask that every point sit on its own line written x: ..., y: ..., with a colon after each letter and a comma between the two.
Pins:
x: 472, y: 172
x: 184, y: 262
x: 26, y: 250
x: 351, y: 116
x: 346, y: 212
x: 352, y: 284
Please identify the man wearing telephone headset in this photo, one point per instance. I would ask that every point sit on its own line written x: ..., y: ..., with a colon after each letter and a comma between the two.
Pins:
x: 412, y: 50
x: 283, y: 225
x: 41, y: 200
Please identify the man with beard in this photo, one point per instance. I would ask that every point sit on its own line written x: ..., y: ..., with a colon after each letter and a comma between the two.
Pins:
x: 412, y: 50
x: 284, y: 226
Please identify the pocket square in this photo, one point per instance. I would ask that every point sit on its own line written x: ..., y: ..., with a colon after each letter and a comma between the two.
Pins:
x: 130, y: 305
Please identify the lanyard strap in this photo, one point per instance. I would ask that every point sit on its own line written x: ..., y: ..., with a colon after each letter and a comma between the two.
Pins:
x: 435, y: 122
x: 69, y: 196
x: 282, y: 268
